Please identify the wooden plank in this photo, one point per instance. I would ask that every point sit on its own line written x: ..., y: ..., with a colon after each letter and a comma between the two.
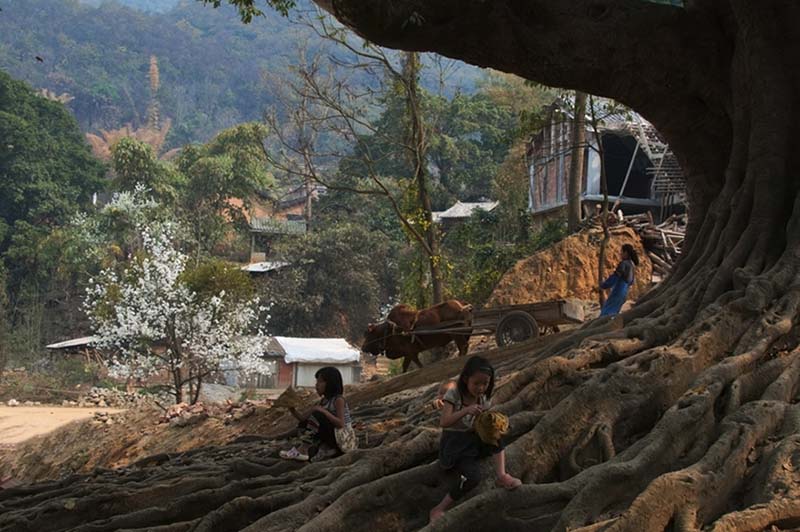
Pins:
x: 658, y: 260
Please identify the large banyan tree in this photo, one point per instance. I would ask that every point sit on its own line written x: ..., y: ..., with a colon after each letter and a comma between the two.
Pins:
x: 684, y: 418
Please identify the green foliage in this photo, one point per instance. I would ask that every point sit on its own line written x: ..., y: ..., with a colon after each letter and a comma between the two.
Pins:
x: 4, y: 326
x: 46, y: 175
x: 470, y: 137
x: 135, y: 163
x: 479, y: 255
x: 335, y: 284
x: 213, y: 276
x: 233, y: 166
x: 395, y: 368
x: 73, y: 371
x: 247, y: 8
x: 46, y: 169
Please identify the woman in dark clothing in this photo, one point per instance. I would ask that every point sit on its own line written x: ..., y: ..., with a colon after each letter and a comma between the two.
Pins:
x: 620, y: 281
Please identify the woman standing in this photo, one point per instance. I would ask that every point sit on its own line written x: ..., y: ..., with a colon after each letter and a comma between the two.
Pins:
x: 620, y: 281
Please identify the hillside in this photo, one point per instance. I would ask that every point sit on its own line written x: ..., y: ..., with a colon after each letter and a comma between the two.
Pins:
x: 211, y: 65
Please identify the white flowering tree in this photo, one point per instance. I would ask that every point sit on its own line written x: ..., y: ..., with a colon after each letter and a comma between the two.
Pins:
x: 158, y: 315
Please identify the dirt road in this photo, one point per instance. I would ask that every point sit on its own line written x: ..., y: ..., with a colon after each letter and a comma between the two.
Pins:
x: 22, y: 422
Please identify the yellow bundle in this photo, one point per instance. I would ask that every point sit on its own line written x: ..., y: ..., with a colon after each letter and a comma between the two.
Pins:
x: 491, y: 426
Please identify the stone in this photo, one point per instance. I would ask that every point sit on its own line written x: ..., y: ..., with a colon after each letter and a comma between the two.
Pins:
x: 12, y: 402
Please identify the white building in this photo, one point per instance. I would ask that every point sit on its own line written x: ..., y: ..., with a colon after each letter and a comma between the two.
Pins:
x: 308, y: 355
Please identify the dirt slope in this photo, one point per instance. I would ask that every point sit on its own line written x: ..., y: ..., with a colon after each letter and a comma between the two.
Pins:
x: 569, y: 269
x: 83, y: 445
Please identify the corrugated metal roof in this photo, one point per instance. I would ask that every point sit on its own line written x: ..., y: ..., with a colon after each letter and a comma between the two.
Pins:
x: 75, y: 342
x: 465, y: 210
x: 318, y: 350
x: 263, y: 267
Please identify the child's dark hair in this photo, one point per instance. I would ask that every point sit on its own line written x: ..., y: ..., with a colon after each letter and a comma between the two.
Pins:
x: 631, y: 251
x: 333, y: 381
x: 474, y: 365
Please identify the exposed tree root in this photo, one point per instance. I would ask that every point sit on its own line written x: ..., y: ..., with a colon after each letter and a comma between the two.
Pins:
x: 626, y: 436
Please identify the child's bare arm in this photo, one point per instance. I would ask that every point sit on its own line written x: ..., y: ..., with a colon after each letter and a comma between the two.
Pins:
x: 450, y: 416
x: 443, y: 388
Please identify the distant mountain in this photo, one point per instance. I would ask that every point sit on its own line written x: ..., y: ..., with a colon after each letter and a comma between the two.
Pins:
x: 95, y: 54
x: 154, y: 6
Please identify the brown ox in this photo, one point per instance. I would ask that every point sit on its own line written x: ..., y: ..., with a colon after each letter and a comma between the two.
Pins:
x: 395, y: 337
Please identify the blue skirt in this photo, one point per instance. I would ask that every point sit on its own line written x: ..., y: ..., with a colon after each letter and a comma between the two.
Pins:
x: 616, y: 299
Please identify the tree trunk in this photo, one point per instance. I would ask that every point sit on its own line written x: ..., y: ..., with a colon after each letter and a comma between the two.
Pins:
x: 198, y: 384
x: 686, y: 419
x: 601, y: 261
x: 418, y: 143
x: 576, y: 162
x: 177, y: 386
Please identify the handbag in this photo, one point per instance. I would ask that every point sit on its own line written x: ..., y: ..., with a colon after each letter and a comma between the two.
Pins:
x: 346, y: 438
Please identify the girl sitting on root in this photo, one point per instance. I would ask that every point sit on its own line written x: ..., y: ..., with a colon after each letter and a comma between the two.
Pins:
x: 319, y: 424
x: 461, y: 448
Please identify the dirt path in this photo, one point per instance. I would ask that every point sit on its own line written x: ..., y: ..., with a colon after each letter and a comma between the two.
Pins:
x: 19, y: 423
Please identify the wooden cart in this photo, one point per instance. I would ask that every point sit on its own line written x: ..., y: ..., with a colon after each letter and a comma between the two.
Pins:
x: 511, y: 324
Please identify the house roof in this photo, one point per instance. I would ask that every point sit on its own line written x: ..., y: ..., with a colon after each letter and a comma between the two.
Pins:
x: 264, y: 267
x: 75, y: 342
x: 314, y: 350
x: 464, y: 210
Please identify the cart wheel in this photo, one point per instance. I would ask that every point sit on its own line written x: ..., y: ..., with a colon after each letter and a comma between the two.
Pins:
x: 516, y: 327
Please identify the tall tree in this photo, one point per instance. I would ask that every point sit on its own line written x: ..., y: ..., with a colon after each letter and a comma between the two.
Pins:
x: 418, y: 154
x: 222, y: 178
x: 46, y: 169
x: 47, y: 174
x: 576, y: 162
x: 327, y: 105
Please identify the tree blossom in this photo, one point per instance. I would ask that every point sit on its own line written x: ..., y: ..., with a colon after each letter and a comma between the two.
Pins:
x: 152, y: 322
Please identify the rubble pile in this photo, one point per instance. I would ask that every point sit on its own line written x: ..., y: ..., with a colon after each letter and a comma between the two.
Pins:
x: 662, y: 242
x: 14, y: 402
x: 104, y: 418
x: 235, y: 411
x: 183, y: 414
x: 111, y: 398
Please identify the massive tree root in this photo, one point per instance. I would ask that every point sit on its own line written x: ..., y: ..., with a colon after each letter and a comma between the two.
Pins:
x: 682, y: 416
x: 608, y: 435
